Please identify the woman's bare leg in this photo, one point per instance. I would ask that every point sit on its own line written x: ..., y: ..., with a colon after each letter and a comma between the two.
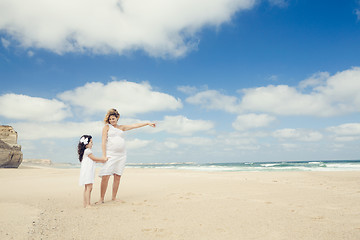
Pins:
x: 115, y: 186
x: 103, y: 187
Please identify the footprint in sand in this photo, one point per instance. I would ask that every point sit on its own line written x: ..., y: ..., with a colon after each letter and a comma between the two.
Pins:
x: 152, y: 230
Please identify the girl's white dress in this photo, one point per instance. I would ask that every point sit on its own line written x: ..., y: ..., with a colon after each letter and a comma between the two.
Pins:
x: 87, y: 169
x: 116, y: 153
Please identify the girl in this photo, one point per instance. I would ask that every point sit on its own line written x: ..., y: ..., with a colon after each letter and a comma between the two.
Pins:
x: 87, y: 170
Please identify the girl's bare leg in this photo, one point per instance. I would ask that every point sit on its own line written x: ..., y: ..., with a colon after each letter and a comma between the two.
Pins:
x: 84, y: 197
x: 115, y: 186
x: 103, y: 187
x: 87, y: 194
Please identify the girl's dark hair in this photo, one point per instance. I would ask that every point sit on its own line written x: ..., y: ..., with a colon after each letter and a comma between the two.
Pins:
x: 83, y: 141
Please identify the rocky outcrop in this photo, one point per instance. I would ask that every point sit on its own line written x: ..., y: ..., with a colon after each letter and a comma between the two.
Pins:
x: 10, y: 152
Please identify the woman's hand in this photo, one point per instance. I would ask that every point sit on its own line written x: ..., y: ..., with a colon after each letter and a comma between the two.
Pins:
x: 152, y: 124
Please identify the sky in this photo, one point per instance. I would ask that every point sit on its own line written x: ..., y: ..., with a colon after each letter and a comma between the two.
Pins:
x: 225, y: 80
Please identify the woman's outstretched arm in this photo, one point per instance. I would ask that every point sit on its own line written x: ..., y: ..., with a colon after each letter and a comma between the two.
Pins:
x: 136, y: 125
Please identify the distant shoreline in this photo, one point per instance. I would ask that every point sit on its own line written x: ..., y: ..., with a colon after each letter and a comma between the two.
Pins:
x: 328, y: 165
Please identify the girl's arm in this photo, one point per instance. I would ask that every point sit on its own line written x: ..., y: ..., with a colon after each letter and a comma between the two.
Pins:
x: 104, y: 139
x: 97, y: 159
x: 136, y: 125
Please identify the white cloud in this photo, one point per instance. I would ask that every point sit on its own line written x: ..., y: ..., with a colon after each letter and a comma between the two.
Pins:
x: 33, y: 130
x: 346, y: 138
x: 248, y: 121
x: 137, y: 143
x: 343, y: 90
x: 128, y: 98
x: 289, y: 146
x: 273, y: 78
x: 183, y: 126
x: 30, y: 53
x: 211, y: 99
x: 196, y: 141
x: 5, y: 42
x: 284, y: 100
x: 15, y: 106
x: 279, y: 3
x: 357, y: 13
x: 298, y: 134
x: 340, y: 94
x: 337, y: 147
x: 317, y: 79
x: 346, y: 129
x: 239, y: 141
x: 159, y: 27
x: 170, y: 144
x: 244, y: 141
x: 220, y: 143
x: 330, y: 95
x: 187, y: 89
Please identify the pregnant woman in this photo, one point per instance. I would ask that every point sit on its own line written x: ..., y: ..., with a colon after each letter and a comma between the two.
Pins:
x: 113, y: 148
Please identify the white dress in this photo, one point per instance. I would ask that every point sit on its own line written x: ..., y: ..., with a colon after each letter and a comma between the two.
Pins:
x: 87, y: 169
x: 116, y: 153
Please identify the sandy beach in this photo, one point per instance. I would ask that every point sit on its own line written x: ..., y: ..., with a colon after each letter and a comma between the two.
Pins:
x: 46, y: 203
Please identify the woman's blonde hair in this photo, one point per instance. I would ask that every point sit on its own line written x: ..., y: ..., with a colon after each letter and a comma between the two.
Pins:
x: 111, y: 112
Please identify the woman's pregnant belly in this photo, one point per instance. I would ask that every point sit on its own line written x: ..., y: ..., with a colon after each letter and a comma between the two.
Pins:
x: 115, y: 146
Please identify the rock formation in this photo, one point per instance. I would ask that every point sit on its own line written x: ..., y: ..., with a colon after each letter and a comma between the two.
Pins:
x: 10, y: 152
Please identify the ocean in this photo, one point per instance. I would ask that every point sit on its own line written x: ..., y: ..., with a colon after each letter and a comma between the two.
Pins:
x: 338, y: 165
x: 343, y: 165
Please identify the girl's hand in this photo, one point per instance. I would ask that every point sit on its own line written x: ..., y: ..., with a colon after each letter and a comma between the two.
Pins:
x: 105, y: 159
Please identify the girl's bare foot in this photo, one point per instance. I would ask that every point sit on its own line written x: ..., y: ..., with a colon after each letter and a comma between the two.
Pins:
x: 99, y: 202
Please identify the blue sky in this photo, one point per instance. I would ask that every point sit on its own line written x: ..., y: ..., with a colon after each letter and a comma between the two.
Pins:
x: 226, y: 80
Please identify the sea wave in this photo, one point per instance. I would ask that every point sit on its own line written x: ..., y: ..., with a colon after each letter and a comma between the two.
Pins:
x: 344, y: 165
x: 353, y: 165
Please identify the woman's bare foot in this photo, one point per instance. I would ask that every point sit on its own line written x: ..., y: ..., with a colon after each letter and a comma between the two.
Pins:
x: 99, y: 202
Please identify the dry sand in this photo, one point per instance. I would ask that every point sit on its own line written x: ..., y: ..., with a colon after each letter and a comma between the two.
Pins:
x: 46, y: 203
